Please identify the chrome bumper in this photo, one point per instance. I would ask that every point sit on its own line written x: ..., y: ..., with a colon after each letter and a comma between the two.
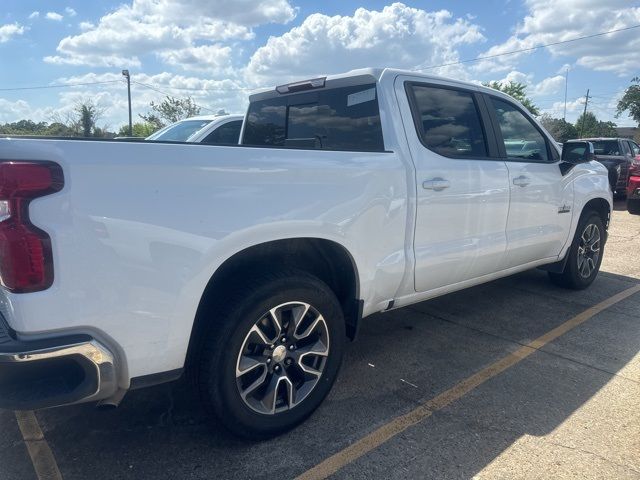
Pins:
x: 52, y: 372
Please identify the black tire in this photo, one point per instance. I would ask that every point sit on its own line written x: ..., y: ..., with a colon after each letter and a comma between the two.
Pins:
x: 232, y: 319
x: 571, y: 277
x: 633, y: 206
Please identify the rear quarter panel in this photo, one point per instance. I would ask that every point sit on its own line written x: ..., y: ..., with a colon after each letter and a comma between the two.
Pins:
x: 139, y: 229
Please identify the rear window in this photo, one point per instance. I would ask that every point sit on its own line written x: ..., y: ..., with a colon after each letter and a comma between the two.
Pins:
x: 606, y: 147
x: 345, y: 118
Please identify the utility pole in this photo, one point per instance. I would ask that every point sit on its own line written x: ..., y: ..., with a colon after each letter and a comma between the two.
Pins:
x: 584, y: 114
x: 126, y: 74
x: 566, y: 82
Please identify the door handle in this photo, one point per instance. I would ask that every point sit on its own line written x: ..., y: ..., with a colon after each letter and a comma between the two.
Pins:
x: 437, y: 184
x: 521, y: 181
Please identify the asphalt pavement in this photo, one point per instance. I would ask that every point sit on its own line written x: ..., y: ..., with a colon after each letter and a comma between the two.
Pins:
x: 512, y: 379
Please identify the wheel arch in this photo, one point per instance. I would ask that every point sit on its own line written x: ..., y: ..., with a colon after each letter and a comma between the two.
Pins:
x: 326, y: 259
x: 602, y: 207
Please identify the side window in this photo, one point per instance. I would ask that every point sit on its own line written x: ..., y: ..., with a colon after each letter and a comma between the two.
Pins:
x: 522, y: 139
x: 227, y: 134
x: 448, y: 121
x: 635, y: 148
x: 626, y: 148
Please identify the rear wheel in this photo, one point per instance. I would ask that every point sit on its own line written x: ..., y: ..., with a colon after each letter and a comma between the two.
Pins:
x: 272, y: 355
x: 585, y: 254
x: 633, y: 206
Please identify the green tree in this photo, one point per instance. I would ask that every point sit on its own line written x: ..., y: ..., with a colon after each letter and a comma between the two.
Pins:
x: 58, y: 129
x: 560, y: 129
x: 630, y: 101
x: 170, y: 110
x: 588, y: 125
x: 85, y: 117
x: 140, y: 129
x: 23, y: 127
x: 518, y: 91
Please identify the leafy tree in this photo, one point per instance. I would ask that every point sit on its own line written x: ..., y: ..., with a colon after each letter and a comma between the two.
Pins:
x: 85, y: 117
x: 170, y: 110
x: 140, y: 129
x: 518, y: 91
x: 630, y: 101
x: 57, y: 129
x: 560, y: 129
x: 23, y: 127
x: 588, y: 125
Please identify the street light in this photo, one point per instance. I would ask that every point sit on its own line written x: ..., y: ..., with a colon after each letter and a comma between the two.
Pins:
x: 126, y: 74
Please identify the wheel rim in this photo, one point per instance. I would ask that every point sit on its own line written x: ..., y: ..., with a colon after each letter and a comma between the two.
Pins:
x: 589, y: 250
x: 282, y: 358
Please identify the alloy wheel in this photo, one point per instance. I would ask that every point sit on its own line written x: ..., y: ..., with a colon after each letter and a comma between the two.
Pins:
x: 282, y: 358
x: 588, y: 250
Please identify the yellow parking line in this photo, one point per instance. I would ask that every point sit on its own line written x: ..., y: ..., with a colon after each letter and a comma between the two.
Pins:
x: 399, y: 424
x: 44, y: 463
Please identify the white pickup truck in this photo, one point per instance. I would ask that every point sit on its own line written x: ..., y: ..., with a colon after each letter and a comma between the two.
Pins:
x: 125, y: 264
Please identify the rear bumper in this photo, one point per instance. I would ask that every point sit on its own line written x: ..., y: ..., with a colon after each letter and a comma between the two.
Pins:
x: 54, y: 371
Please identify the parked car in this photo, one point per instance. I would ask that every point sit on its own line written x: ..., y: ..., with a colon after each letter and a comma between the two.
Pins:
x: 211, y: 129
x: 123, y: 264
x: 633, y: 188
x: 614, y: 153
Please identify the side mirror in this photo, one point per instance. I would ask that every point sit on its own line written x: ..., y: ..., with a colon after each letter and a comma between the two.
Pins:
x: 577, y: 151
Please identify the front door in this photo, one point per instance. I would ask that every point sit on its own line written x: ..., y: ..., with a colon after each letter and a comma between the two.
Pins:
x: 541, y: 198
x: 462, y: 192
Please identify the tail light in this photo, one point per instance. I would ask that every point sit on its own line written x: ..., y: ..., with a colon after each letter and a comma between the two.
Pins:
x: 26, y: 260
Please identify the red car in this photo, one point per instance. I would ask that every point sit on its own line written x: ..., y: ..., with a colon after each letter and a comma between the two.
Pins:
x: 633, y: 187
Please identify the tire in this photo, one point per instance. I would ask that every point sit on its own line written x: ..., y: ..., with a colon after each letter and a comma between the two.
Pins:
x: 633, y: 206
x: 579, y: 271
x: 241, y: 334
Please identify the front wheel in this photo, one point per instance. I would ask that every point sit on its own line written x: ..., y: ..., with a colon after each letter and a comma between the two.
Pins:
x: 633, y: 206
x: 272, y: 354
x: 585, y: 254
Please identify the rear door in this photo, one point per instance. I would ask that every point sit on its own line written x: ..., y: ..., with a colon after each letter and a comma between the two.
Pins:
x: 462, y: 188
x: 541, y: 198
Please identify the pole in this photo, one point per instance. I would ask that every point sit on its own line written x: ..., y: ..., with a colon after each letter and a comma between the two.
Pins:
x: 566, y: 82
x: 126, y: 74
x: 584, y: 114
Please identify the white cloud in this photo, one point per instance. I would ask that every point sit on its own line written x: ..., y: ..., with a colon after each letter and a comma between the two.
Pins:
x: 84, y: 26
x: 551, y: 21
x: 10, y: 30
x: 549, y: 86
x: 397, y: 36
x: 206, y: 57
x: 70, y: 12
x: 211, y: 95
x: 164, y: 26
x: 34, y: 15
x: 54, y: 16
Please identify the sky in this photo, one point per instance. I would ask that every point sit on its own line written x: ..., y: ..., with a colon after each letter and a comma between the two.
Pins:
x: 218, y: 51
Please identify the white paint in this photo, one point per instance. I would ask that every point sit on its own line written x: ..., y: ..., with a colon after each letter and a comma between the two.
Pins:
x: 140, y: 228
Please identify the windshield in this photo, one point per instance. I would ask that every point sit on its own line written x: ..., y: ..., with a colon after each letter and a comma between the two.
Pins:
x: 180, y: 131
x: 606, y: 147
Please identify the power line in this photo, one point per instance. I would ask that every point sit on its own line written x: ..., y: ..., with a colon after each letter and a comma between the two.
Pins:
x: 167, y: 94
x: 222, y: 89
x: 64, y: 85
x: 529, y: 49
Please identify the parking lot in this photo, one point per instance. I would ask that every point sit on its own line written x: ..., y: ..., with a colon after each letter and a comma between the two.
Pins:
x: 512, y: 379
